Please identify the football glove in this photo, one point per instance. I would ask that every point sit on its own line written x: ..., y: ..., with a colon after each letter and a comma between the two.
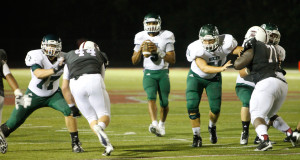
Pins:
x: 75, y: 112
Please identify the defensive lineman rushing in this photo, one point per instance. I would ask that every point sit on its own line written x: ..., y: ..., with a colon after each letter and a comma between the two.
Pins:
x: 43, y: 89
x: 245, y: 85
x: 270, y: 90
x: 84, y: 79
x: 157, y: 48
x: 208, y: 57
x: 6, y: 74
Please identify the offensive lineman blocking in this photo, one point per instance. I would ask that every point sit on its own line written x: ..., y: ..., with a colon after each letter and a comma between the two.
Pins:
x: 208, y: 57
x: 43, y: 89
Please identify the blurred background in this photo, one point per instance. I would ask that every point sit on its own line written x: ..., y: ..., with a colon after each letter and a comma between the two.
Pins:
x: 112, y: 24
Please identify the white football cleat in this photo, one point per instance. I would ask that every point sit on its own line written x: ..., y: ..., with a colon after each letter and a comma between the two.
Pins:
x: 244, y: 138
x: 103, y: 140
x: 109, y: 148
x: 155, y: 130
x: 162, y: 130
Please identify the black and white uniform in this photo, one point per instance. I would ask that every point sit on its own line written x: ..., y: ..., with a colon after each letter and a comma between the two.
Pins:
x: 270, y: 87
x: 85, y: 70
x: 4, y: 72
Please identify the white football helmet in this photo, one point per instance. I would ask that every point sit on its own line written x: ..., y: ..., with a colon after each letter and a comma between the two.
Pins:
x: 51, y: 45
x: 259, y: 33
x: 89, y: 45
x: 152, y: 28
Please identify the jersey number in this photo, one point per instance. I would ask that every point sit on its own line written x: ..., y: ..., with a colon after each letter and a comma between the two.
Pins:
x: 272, y: 51
x: 50, y: 81
x: 81, y: 52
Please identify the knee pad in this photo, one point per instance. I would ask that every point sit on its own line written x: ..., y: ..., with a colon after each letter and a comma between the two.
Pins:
x: 194, y: 114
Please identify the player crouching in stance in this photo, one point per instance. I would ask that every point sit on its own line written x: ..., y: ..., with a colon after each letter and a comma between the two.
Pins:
x: 270, y: 89
x: 84, y: 80
x: 43, y: 89
x: 156, y: 46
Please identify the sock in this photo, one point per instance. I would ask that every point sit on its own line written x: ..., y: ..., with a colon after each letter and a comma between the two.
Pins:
x: 196, y: 131
x: 154, y: 123
x: 74, y: 136
x: 246, y: 126
x: 161, y: 124
x: 289, y: 132
x: 280, y: 125
x: 211, y: 124
x: 5, y: 130
x: 261, y: 130
x: 102, y: 125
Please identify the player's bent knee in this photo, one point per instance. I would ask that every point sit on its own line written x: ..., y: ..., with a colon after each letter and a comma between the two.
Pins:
x: 164, y: 104
x: 215, y: 110
x: 194, y: 114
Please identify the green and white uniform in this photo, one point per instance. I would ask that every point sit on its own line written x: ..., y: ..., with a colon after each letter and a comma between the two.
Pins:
x: 156, y: 73
x: 197, y: 80
x: 44, y: 92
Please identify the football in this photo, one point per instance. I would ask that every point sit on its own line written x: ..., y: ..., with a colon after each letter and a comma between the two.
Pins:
x: 146, y: 50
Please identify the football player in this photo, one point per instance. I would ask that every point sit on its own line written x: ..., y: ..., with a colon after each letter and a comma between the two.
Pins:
x: 84, y: 79
x: 270, y: 90
x: 6, y: 74
x: 43, y: 90
x: 156, y: 47
x: 208, y: 56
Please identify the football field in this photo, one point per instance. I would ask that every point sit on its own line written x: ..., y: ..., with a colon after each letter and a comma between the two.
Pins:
x: 44, y: 134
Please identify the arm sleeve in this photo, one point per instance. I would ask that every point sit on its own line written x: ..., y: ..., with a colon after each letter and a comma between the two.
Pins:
x: 103, y: 71
x: 244, y: 60
x: 169, y: 47
x: 66, y: 73
x: 6, y: 70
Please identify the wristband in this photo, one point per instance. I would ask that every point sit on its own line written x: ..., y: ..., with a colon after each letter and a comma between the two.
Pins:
x: 161, y: 53
x: 18, y: 92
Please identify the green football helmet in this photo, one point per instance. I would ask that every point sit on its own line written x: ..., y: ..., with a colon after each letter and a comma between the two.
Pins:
x: 209, y: 32
x: 150, y: 27
x: 272, y: 32
x: 51, y: 45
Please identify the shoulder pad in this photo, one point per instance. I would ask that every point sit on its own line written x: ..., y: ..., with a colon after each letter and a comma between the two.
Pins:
x: 228, y: 43
x: 281, y: 52
x: 105, y: 59
x: 194, y: 51
x: 168, y: 35
x: 140, y: 37
x: 3, y: 55
x: 34, y: 57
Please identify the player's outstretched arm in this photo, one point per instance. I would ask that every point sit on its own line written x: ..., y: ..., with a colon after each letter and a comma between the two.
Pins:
x: 202, y: 64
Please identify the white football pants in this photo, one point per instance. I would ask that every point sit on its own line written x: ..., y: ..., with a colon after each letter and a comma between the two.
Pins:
x: 267, y: 98
x: 91, y: 96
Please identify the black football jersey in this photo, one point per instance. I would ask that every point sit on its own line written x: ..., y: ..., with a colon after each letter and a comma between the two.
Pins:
x: 84, y: 61
x: 265, y: 61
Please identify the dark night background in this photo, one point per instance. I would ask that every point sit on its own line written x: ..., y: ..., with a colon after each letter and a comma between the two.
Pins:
x: 112, y: 24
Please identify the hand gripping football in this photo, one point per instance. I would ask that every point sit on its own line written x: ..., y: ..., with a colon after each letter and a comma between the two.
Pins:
x: 148, y: 48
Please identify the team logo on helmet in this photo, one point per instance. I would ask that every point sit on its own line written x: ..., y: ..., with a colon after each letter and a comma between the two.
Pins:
x: 51, y: 45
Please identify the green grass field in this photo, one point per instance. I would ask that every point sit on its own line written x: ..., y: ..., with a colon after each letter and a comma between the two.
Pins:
x: 44, y: 134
